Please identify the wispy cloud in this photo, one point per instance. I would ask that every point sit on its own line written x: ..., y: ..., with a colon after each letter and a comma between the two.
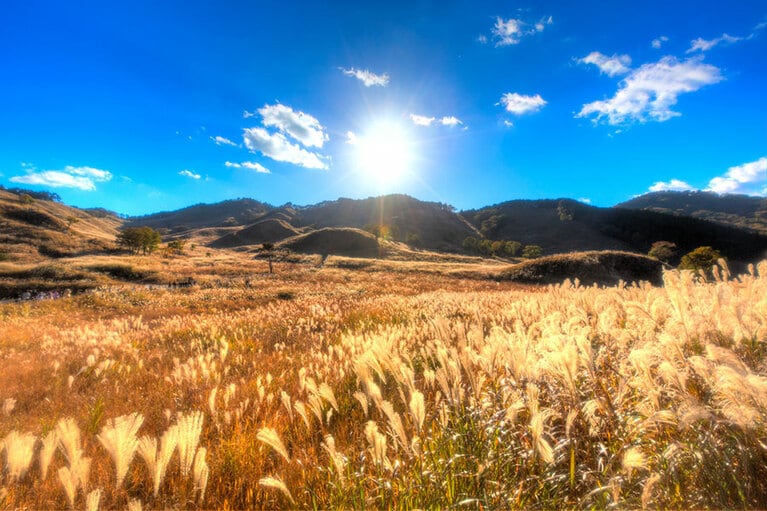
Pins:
x: 448, y: 120
x: 83, y: 178
x: 510, y: 31
x: 422, y: 120
x: 658, y: 42
x: 519, y: 104
x: 748, y: 178
x: 277, y: 147
x: 250, y: 165
x: 703, y: 45
x: 299, y: 125
x: 190, y: 174
x: 222, y: 141
x: 369, y: 78
x: 675, y: 185
x: 649, y: 92
x: 611, y: 66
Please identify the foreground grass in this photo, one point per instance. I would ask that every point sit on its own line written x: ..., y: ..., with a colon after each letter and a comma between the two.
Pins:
x: 347, y: 388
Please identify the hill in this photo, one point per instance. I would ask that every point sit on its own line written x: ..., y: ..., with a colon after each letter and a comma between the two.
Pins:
x: 35, y: 228
x: 428, y: 225
x: 734, y: 210
x: 567, y: 226
x: 270, y: 230
x: 335, y: 241
x: 227, y: 213
x: 605, y: 268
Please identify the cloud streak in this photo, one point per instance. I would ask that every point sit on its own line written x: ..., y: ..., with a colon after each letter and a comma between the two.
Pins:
x: 649, y: 92
x: 299, y: 125
x: 277, y: 147
x: 250, y: 165
x: 507, y: 32
x: 369, y: 78
x: 611, y: 66
x: 189, y: 174
x: 519, y: 104
x: 746, y: 179
x: 82, y: 178
x: 448, y: 120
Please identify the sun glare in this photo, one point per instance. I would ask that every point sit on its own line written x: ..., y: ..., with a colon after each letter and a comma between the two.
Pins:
x: 383, y: 153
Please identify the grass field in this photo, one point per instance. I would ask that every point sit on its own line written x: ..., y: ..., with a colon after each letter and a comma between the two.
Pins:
x: 384, y: 385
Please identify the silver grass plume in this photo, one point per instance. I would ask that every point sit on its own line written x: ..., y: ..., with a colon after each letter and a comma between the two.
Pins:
x: 119, y: 439
x: 189, y: 429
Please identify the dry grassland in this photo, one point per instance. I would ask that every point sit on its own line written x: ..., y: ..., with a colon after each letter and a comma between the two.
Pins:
x: 343, y: 387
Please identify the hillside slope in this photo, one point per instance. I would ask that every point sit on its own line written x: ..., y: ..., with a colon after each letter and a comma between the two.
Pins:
x: 733, y: 210
x: 566, y: 226
x: 227, y: 213
x: 31, y: 229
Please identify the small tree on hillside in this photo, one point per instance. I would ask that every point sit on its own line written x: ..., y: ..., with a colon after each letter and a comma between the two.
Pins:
x: 139, y: 239
x: 512, y: 248
x: 702, y: 259
x: 662, y: 251
x: 532, y: 252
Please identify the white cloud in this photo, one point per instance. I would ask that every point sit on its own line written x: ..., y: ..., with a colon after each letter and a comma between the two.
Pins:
x: 584, y: 200
x: 649, y: 92
x: 611, y: 66
x: 351, y: 138
x: 189, y: 173
x: 519, y: 104
x: 246, y: 114
x: 367, y: 77
x: 658, y: 42
x: 422, y: 120
x: 508, y: 123
x: 511, y: 31
x: 702, y: 45
x: 222, y: 141
x: 277, y: 147
x: 749, y: 178
x: 251, y: 165
x: 482, y: 39
x: 675, y: 185
x: 450, y: 120
x: 299, y: 125
x: 83, y: 178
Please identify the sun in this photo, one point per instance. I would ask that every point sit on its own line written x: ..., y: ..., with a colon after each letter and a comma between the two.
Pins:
x: 384, y: 153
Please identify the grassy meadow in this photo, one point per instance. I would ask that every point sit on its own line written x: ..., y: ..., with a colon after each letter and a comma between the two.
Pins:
x: 383, y: 385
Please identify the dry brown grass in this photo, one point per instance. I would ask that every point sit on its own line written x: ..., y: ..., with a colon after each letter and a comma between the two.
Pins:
x: 381, y: 387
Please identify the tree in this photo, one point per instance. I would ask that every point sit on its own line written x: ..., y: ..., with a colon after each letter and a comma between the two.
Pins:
x: 702, y: 259
x: 662, y: 251
x: 512, y: 248
x: 532, y: 252
x: 497, y: 247
x: 413, y: 239
x: 470, y: 244
x: 139, y: 239
x: 176, y: 247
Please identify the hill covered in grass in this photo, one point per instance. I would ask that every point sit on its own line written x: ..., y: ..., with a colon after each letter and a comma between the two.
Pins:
x: 32, y: 228
x: 734, y: 210
x: 565, y: 225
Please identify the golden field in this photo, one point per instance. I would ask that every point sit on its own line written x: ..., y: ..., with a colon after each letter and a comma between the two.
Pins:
x: 384, y: 385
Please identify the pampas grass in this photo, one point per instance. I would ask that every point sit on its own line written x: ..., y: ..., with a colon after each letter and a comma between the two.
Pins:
x: 119, y: 439
x: 19, y: 450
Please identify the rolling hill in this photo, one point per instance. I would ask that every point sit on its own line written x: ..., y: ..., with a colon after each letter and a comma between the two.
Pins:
x: 734, y: 210
x: 565, y: 225
x: 36, y: 228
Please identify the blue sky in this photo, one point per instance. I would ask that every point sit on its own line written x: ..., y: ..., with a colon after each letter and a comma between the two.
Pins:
x: 147, y: 106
